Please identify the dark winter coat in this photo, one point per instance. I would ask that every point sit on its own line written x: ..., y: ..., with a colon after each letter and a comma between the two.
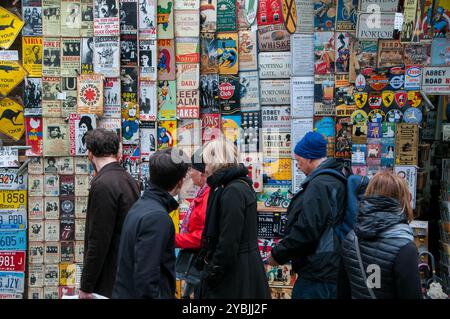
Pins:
x: 146, y: 264
x: 385, y: 239
x: 113, y: 191
x: 233, y: 266
x: 310, y: 241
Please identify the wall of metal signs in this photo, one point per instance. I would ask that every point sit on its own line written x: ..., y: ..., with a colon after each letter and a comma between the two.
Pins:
x: 179, y: 73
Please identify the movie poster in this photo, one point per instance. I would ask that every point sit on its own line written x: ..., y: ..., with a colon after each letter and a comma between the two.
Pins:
x: 342, y: 55
x: 167, y: 134
x: 249, y: 91
x: 70, y: 56
x: 248, y: 50
x: 128, y: 50
x: 324, y: 52
x: 90, y: 94
x: 209, y: 93
x: 33, y: 127
x: 166, y: 60
x: 51, y: 21
x: 87, y: 55
x: 187, y: 23
x: 148, y: 137
x: 56, y: 140
x: 51, y: 88
x: 229, y: 94
x: 147, y: 19
x: 32, y: 97
x: 165, y: 19
x: 167, y: 100
x: 147, y: 101
x: 32, y: 16
x: 52, y: 57
x: 79, y: 125
x: 208, y: 22
x: 106, y: 18
x: 69, y: 101
x: 227, y: 53
x: 70, y: 18
x: 32, y: 56
x: 87, y: 18
x: 208, y: 54
x: 324, y: 15
x: 128, y: 16
x: 107, y: 56
x: 147, y: 59
x: 111, y: 96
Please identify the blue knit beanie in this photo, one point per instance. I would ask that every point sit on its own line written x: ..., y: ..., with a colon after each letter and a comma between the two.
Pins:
x: 313, y: 145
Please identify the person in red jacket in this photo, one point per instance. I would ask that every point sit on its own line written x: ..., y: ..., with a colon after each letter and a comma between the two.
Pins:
x: 191, y: 230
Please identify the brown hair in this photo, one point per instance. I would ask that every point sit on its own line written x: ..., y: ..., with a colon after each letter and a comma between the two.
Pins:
x: 386, y: 183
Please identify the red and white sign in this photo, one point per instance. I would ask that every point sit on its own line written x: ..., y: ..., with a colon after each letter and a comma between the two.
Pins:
x: 12, y: 261
x: 413, y: 77
x: 226, y: 90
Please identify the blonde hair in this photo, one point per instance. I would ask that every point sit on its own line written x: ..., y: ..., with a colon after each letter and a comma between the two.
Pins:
x: 389, y: 184
x: 220, y: 153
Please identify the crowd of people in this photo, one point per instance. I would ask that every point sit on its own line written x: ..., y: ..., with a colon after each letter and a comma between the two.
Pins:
x: 130, y: 239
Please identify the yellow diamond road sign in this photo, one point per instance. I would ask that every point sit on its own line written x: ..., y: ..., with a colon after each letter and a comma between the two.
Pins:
x: 11, y: 119
x: 10, y: 26
x: 11, y: 74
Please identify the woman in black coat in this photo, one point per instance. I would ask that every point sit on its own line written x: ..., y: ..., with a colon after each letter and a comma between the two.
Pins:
x: 379, y: 258
x: 232, y: 265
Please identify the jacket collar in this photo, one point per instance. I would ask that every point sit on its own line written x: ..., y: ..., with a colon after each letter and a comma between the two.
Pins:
x: 109, y: 167
x: 162, y: 196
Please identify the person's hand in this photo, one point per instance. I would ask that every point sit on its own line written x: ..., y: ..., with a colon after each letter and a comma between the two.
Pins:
x: 84, y: 295
x: 271, y: 261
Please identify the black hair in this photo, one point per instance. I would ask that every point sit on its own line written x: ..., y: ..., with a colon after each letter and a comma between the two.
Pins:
x: 102, y: 142
x: 164, y: 171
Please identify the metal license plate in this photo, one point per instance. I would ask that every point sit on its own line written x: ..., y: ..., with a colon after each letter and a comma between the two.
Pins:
x: 11, y: 180
x: 12, y: 261
x: 13, y: 199
x: 12, y: 282
x: 13, y: 240
x: 13, y: 219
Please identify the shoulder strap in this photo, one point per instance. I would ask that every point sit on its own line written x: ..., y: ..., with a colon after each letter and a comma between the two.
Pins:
x: 361, y: 267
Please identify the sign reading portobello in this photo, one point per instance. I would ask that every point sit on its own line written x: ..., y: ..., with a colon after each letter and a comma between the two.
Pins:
x: 275, y: 92
x: 381, y: 28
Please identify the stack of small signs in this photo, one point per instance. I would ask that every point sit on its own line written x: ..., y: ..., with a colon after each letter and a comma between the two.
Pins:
x: 13, y: 225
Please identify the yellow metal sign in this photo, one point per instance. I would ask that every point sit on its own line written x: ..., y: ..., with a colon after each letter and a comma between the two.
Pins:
x: 13, y: 199
x: 11, y: 74
x: 289, y: 12
x: 11, y: 119
x: 10, y: 26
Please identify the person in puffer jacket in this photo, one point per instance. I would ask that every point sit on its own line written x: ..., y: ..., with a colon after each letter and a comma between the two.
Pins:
x: 386, y: 266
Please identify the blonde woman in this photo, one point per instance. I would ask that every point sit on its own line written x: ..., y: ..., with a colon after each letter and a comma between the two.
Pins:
x: 232, y: 265
x: 379, y: 257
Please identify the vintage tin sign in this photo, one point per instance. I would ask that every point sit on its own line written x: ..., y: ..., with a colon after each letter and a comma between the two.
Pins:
x: 347, y: 15
x: 10, y: 28
x: 302, y: 48
x: 226, y: 16
x: 35, y: 231
x: 128, y: 16
x: 107, y: 56
x: 52, y: 254
x: 187, y: 50
x: 35, y: 253
x: 51, y: 18
x: 208, y: 23
x: 106, y: 18
x: 276, y: 117
x: 35, y: 208
x: 166, y: 60
x: 275, y: 92
x: 188, y: 76
x: 13, y: 199
x: 209, y: 93
x: 250, y: 91
x: 147, y: 19
x: 248, y: 50
x: 274, y: 65
x: 436, y: 80
x: 51, y: 230
x: 273, y: 38
x: 32, y: 97
x: 36, y: 276
x: 187, y: 23
x: 229, y: 94
x: 208, y: 59
x: 269, y: 12
x: 12, y: 74
x: 51, y: 275
x: 188, y: 104
x: 51, y: 205
x: 413, y: 77
x: 302, y: 97
x: 384, y: 29
x: 227, y: 53
x: 35, y: 185
x: 210, y: 127
x: 305, y: 16
x: 70, y: 57
x: 289, y: 12
x: 32, y: 56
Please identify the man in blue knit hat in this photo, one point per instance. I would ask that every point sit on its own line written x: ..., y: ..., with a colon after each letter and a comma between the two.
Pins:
x: 310, y: 242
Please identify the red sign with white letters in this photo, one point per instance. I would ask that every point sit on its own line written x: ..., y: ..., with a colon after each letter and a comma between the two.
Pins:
x: 12, y: 261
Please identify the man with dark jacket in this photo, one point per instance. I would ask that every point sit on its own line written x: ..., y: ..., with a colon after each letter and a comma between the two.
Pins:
x: 113, y: 191
x: 146, y: 264
x: 310, y: 241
